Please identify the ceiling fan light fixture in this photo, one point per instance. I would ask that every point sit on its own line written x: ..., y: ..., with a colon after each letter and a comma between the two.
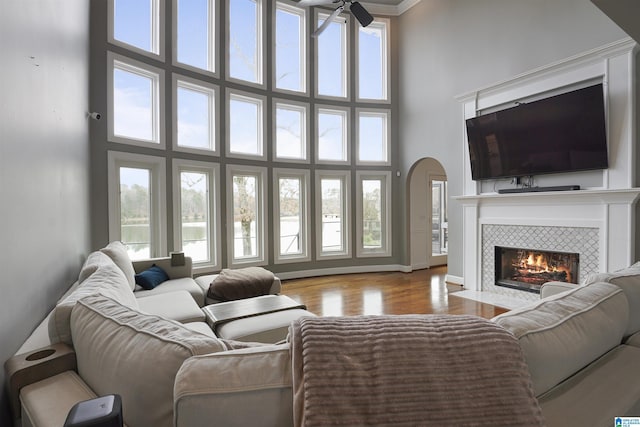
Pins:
x: 361, y: 13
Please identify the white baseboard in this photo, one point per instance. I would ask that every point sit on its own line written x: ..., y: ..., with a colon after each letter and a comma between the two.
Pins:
x: 344, y: 270
x: 456, y: 280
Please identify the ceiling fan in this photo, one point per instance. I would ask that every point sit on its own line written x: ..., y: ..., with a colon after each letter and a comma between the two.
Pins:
x: 355, y: 8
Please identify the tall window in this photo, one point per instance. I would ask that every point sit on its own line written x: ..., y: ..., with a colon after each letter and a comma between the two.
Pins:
x: 196, y: 208
x: 245, y: 125
x: 291, y: 134
x: 332, y: 194
x: 373, y: 136
x: 373, y: 65
x: 246, y: 215
x: 195, y: 115
x: 136, y: 203
x: 135, y: 96
x: 332, y: 68
x: 290, y: 48
x: 195, y: 34
x: 291, y: 223
x: 137, y: 25
x: 332, y: 135
x: 245, y: 40
x: 373, y: 212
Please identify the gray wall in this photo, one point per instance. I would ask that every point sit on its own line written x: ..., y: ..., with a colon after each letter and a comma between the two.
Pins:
x: 449, y: 47
x: 44, y: 217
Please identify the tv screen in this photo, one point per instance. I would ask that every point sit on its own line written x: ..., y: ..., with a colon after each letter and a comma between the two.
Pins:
x: 562, y: 133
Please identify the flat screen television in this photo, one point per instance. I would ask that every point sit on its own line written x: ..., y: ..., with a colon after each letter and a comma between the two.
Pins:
x: 562, y: 133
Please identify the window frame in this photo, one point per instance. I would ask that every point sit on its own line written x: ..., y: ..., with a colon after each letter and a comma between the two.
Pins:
x: 385, y: 217
x: 387, y: 135
x: 157, y: 30
x: 345, y: 176
x: 293, y: 8
x: 296, y: 105
x: 158, y: 194
x: 346, y: 54
x: 346, y: 134
x: 262, y: 120
x: 213, y: 197
x: 262, y: 217
x: 212, y: 30
x: 214, y: 104
x: 386, y: 66
x: 157, y: 99
x: 261, y: 26
x: 305, y: 178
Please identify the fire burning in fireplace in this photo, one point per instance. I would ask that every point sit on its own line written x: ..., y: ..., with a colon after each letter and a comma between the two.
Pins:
x: 528, y: 269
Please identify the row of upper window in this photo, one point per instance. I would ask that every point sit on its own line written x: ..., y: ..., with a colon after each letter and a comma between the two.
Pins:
x: 139, y: 26
x: 136, y: 205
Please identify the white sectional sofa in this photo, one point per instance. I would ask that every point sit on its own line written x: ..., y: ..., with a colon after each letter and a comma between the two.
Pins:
x: 581, y: 346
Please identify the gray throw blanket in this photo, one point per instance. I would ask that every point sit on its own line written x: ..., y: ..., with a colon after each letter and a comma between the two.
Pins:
x: 416, y: 370
x: 241, y: 283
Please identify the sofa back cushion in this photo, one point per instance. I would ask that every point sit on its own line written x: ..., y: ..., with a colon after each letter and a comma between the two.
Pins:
x: 121, y: 350
x: 564, y: 333
x: 117, y: 251
x: 628, y: 280
x: 107, y: 279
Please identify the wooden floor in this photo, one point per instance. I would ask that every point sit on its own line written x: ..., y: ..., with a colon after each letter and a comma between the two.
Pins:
x: 419, y: 292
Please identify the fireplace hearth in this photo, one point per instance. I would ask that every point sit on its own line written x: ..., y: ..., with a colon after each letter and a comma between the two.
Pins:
x: 527, y: 269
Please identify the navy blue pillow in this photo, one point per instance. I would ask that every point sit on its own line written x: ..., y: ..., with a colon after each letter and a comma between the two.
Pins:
x: 152, y: 277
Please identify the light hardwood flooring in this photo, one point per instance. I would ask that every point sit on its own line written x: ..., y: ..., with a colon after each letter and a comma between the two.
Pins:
x: 418, y: 292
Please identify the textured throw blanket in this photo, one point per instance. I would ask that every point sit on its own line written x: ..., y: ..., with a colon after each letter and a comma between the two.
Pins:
x: 241, y: 283
x: 417, y: 370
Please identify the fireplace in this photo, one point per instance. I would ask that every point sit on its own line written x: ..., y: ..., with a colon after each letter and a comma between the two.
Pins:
x: 528, y: 269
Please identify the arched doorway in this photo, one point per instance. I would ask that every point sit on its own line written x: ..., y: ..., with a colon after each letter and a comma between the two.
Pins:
x: 428, y: 226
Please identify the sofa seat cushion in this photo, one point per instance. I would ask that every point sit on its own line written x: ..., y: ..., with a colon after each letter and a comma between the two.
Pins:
x: 200, y: 327
x: 121, y: 350
x: 108, y: 280
x: 263, y: 328
x: 594, y: 396
x: 117, y: 251
x: 628, y: 280
x: 564, y: 333
x: 247, y: 387
x: 46, y: 403
x: 178, y: 306
x: 173, y: 285
x: 633, y: 340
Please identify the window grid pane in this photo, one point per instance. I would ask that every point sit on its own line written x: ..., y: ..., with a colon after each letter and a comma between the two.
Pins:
x: 290, y: 38
x: 332, y: 67
x: 195, y: 35
x: 290, y: 132
x: 372, y: 137
x: 194, y: 196
x: 135, y: 211
x: 133, y: 23
x: 291, y: 210
x: 195, y: 117
x: 245, y: 211
x: 332, y: 143
x: 332, y: 213
x: 245, y: 126
x: 372, y: 61
x: 133, y: 104
x: 245, y: 39
x: 372, y: 213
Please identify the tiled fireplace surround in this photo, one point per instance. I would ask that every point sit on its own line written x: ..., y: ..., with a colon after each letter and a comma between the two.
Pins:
x: 598, y: 221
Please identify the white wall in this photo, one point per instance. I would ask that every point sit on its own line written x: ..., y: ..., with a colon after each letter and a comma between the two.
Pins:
x: 44, y: 141
x: 450, y: 47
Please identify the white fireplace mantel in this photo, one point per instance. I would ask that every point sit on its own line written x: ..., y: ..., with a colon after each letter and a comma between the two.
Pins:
x: 609, y: 206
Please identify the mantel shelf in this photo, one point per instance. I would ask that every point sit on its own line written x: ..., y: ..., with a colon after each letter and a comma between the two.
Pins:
x: 616, y: 196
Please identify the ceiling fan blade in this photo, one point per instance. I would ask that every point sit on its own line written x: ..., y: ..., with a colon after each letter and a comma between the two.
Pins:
x: 361, y: 14
x: 309, y: 3
x: 328, y: 21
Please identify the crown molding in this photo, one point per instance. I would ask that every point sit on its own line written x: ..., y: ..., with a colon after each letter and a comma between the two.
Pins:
x: 383, y: 9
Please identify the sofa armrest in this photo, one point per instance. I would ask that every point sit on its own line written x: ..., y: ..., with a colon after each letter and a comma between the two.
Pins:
x: 253, y: 385
x: 28, y: 368
x: 174, y: 271
x: 552, y: 288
